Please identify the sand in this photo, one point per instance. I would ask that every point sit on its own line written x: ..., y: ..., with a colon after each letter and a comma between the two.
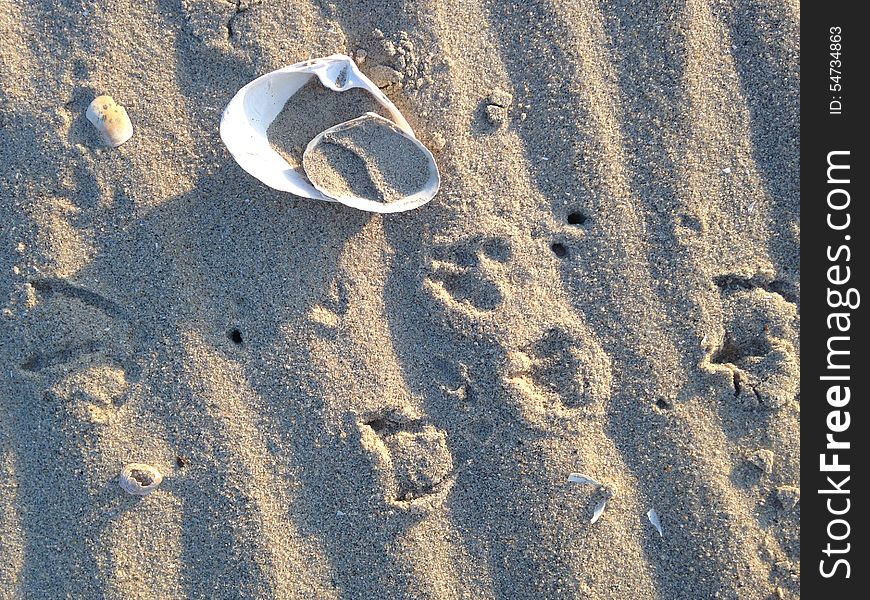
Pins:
x: 348, y: 405
x: 313, y: 109
x: 370, y: 159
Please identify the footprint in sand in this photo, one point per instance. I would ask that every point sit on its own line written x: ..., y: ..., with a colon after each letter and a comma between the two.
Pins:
x: 73, y: 325
x: 562, y: 368
x: 412, y: 457
x: 467, y: 273
x: 758, y: 343
x: 82, y: 342
x: 214, y: 23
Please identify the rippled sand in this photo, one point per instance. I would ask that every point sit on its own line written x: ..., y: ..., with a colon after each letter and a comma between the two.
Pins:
x: 345, y: 405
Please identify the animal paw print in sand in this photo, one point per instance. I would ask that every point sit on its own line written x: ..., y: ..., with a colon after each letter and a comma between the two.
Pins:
x: 574, y: 371
x: 73, y: 326
x: 82, y: 343
x: 215, y: 23
x: 463, y: 273
x: 412, y: 458
x: 757, y: 345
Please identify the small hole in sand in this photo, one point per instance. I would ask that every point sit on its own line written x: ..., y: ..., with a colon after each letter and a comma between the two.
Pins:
x: 577, y: 218
x: 236, y: 336
x: 378, y: 424
x: 663, y: 404
x: 559, y: 249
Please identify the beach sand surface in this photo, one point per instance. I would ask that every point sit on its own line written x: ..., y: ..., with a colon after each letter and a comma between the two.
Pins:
x: 350, y: 405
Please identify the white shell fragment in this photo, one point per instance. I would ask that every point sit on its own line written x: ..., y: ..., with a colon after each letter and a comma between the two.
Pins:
x: 599, y: 510
x: 602, y: 504
x: 653, y: 517
x: 111, y: 120
x: 255, y: 106
x: 580, y: 478
x: 139, y: 479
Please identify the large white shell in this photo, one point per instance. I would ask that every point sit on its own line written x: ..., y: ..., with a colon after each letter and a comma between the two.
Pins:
x: 248, y: 116
x: 419, y: 198
x: 130, y: 479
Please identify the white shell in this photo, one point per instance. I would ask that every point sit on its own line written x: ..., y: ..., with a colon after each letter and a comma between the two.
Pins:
x: 248, y: 116
x: 653, y: 517
x: 599, y: 510
x: 408, y: 202
x: 132, y: 486
x: 581, y: 478
x: 110, y: 119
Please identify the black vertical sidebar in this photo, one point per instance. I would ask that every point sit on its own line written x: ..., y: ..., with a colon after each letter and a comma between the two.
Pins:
x: 835, y: 426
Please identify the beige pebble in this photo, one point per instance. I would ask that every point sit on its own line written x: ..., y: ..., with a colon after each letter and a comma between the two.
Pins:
x: 111, y: 120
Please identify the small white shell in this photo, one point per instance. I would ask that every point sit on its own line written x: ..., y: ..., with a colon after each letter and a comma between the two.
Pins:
x: 139, y: 479
x: 599, y: 510
x: 248, y: 116
x: 110, y: 119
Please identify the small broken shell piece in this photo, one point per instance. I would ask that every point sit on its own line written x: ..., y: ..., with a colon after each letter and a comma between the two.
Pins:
x: 599, y: 510
x: 602, y: 504
x: 371, y: 164
x: 580, y: 478
x: 111, y: 120
x: 139, y: 479
x: 653, y: 517
x: 247, y: 117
